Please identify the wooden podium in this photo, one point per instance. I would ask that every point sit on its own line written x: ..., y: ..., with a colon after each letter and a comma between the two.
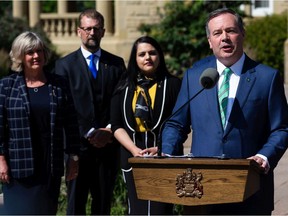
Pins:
x: 195, y: 181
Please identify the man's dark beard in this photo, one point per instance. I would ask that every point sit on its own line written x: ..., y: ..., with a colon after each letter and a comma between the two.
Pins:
x: 93, y: 47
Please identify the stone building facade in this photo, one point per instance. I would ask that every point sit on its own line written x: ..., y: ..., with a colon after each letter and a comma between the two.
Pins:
x: 122, y: 18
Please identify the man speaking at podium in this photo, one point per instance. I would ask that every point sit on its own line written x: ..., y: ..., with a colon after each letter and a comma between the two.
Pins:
x: 244, y: 116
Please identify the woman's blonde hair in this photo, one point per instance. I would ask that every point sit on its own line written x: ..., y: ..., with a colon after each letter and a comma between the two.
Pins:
x: 24, y: 43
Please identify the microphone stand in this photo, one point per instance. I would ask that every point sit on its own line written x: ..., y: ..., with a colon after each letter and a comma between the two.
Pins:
x: 159, y: 140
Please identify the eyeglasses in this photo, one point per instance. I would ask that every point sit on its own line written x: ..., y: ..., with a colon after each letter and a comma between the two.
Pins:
x: 89, y: 29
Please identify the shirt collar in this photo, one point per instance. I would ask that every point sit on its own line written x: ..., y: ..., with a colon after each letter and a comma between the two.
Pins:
x: 236, y: 68
x: 86, y: 53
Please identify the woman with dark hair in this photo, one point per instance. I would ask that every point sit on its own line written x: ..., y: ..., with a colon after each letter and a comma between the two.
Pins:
x: 144, y: 98
x: 35, y: 111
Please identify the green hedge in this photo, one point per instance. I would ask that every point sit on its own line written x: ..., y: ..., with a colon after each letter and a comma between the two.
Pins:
x: 265, y: 38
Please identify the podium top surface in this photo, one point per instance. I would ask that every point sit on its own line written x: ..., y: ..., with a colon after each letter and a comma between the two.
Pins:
x: 192, y: 161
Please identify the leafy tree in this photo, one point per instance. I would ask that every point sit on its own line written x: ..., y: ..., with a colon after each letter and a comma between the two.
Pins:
x: 49, y: 6
x: 181, y: 32
x: 265, y: 38
x: 10, y: 28
x: 5, y: 7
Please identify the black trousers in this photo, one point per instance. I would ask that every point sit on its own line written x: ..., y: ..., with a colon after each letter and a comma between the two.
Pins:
x: 98, y: 170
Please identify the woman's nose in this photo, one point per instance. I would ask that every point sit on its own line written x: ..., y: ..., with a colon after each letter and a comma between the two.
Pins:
x: 35, y: 54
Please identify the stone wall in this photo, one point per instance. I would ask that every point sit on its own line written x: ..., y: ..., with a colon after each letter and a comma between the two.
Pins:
x: 128, y: 16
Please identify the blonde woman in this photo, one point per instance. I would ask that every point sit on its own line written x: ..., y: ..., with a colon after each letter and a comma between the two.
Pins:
x: 35, y: 111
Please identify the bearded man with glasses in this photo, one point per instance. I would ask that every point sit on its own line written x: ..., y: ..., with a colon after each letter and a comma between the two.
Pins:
x: 92, y: 74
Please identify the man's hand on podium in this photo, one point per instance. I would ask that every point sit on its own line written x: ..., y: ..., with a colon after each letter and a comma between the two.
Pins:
x: 264, y: 164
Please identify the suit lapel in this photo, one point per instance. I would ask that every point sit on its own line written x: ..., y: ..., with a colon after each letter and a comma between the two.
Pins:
x: 23, y: 92
x: 105, y: 73
x: 103, y: 68
x: 128, y: 98
x: 212, y: 98
x: 53, y: 94
x: 159, y: 102
x: 247, y: 80
x: 82, y: 68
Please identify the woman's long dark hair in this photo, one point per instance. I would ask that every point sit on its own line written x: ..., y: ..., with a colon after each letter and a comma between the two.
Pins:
x: 130, y: 77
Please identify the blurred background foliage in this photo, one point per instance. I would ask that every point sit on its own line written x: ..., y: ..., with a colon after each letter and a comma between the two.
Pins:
x: 181, y: 31
x: 265, y: 38
x: 181, y: 34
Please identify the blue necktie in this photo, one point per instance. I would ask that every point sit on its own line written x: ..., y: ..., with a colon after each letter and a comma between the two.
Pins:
x: 92, y: 66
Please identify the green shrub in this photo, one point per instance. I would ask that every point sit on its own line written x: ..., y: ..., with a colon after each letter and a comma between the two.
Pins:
x: 119, y: 200
x: 119, y: 204
x: 265, y: 38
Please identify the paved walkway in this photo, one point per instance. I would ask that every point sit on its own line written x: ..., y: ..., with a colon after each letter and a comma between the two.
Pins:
x: 281, y: 186
x: 281, y: 182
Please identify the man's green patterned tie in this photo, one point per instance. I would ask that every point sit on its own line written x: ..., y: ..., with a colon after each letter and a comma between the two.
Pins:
x: 223, y: 95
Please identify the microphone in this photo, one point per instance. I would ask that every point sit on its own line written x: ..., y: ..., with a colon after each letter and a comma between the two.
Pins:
x: 207, y: 80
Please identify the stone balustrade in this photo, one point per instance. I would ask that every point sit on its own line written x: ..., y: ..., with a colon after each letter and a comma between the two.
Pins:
x: 60, y: 25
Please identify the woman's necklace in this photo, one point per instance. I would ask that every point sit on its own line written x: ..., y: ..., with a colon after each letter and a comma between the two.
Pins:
x: 35, y: 84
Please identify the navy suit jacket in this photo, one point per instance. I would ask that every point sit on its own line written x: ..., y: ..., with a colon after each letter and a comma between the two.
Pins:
x: 257, y: 124
x: 93, y: 107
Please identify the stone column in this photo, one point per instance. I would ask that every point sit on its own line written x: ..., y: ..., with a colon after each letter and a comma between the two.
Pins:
x: 117, y: 15
x: 34, y: 12
x: 105, y: 8
x: 62, y: 6
x: 18, y: 8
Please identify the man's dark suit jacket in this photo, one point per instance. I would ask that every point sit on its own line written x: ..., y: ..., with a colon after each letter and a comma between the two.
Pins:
x: 258, y: 123
x: 93, y: 109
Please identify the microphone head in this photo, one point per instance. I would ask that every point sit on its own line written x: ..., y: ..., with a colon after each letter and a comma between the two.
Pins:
x: 209, y: 78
